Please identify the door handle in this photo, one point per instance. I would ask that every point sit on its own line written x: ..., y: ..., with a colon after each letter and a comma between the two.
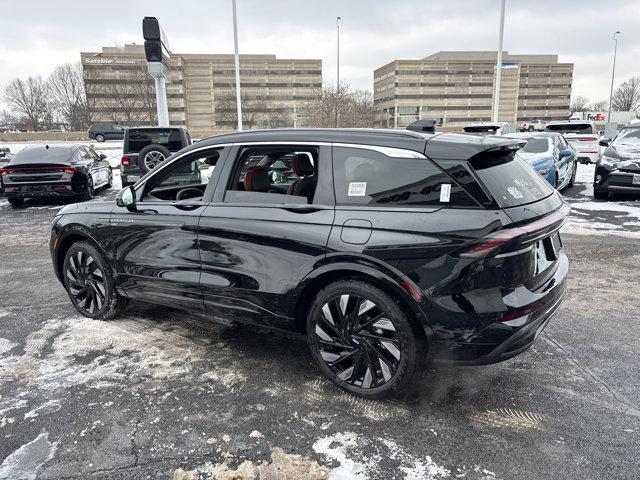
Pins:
x: 301, y: 208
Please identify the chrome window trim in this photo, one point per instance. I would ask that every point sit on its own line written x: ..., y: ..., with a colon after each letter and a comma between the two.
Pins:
x: 386, y: 151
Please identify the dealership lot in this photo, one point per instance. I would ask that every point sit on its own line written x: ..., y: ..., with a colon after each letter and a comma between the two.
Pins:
x: 160, y: 390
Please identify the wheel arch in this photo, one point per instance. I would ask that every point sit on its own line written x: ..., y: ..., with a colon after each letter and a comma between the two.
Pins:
x: 67, y: 238
x: 308, y: 288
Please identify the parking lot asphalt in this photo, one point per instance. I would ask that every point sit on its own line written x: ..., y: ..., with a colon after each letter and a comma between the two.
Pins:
x: 160, y: 393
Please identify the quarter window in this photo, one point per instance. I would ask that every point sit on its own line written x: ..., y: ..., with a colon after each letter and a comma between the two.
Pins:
x: 368, y: 177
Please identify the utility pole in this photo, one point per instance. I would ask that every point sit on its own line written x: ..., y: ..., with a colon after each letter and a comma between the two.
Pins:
x: 496, y: 96
x: 338, y: 68
x: 237, y: 62
x: 613, y: 72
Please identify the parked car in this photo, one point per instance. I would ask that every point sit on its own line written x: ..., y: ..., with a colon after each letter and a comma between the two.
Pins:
x: 532, y: 126
x: 618, y: 169
x: 581, y: 135
x: 54, y: 171
x: 106, y: 131
x: 488, y: 128
x: 145, y: 148
x: 388, y: 249
x: 551, y: 156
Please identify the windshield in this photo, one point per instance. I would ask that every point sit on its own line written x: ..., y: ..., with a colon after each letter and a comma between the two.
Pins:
x: 511, y: 180
x: 629, y: 137
x: 571, y: 127
x: 537, y: 145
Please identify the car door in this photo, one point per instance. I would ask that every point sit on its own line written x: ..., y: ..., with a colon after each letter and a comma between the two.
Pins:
x: 155, y: 243
x: 256, y: 245
x: 99, y: 168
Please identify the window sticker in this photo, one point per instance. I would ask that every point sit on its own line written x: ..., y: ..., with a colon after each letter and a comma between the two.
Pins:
x: 357, y: 189
x: 515, y: 193
x: 445, y: 192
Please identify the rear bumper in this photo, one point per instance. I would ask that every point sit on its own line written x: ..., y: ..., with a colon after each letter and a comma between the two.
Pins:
x: 498, y: 341
x: 57, y: 189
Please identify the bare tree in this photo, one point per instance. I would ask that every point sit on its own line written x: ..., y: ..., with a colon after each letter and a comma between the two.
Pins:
x: 626, y: 98
x: 600, y: 105
x: 579, y: 103
x: 29, y: 98
x: 68, y: 96
x: 354, y: 108
x: 257, y: 111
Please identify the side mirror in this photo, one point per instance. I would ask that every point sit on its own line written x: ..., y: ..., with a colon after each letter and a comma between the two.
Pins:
x: 102, y: 156
x: 564, y: 153
x: 604, y: 142
x: 127, y: 198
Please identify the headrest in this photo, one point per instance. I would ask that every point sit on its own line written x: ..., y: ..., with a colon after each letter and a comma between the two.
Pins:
x: 256, y: 179
x: 301, y: 165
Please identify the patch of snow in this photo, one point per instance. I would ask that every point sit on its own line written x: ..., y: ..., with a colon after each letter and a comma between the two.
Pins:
x: 334, y: 447
x: 50, y: 406
x: 26, y: 461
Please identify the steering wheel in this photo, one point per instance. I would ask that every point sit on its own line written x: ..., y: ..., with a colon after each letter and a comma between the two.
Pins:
x: 184, y: 191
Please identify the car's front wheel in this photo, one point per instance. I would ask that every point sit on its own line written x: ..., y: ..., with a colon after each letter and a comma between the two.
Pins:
x: 89, y: 283
x: 362, y: 340
x: 16, y: 201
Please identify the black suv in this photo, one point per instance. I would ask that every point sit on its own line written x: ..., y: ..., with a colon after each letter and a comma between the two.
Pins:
x: 146, y: 147
x: 385, y: 248
x: 106, y: 131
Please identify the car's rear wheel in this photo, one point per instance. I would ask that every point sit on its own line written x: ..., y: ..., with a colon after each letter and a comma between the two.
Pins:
x: 362, y: 340
x: 16, y: 201
x: 89, y: 283
x: 572, y: 182
x: 87, y: 190
x: 99, y: 138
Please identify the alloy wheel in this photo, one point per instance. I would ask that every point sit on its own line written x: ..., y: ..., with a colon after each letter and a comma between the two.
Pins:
x: 86, y: 282
x: 357, y: 341
x: 152, y: 159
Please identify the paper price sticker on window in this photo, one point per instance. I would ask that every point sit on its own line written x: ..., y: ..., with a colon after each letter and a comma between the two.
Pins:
x: 445, y: 192
x: 357, y: 189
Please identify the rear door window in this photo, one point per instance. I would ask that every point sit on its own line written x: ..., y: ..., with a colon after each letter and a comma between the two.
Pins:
x: 509, y: 179
x: 369, y: 177
x: 571, y: 128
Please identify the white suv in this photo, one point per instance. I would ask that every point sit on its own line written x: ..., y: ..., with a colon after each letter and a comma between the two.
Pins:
x: 581, y: 135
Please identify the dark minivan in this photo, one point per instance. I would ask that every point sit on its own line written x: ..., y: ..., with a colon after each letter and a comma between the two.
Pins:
x: 385, y: 248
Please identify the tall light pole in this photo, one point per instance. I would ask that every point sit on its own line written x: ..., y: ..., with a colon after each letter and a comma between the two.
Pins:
x: 496, y: 96
x: 237, y: 61
x: 337, y: 67
x: 616, y: 36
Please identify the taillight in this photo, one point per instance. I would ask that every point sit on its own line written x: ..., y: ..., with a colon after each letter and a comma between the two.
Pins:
x: 69, y: 170
x: 488, y: 245
x: 588, y: 139
x: 125, y: 161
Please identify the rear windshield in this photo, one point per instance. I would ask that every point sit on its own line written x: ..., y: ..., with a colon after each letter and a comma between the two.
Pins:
x: 571, y: 128
x: 139, y: 138
x: 481, y: 129
x: 536, y: 145
x: 42, y: 155
x: 510, y: 180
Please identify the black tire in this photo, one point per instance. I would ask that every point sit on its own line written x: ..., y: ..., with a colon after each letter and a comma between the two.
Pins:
x: 156, y: 153
x: 600, y: 195
x: 373, y: 354
x: 89, y: 283
x: 100, y: 138
x: 16, y: 201
x: 572, y: 182
x: 110, y: 180
x: 87, y: 190
x: 530, y: 128
x: 555, y: 180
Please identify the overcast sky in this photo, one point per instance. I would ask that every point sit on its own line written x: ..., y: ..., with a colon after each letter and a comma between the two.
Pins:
x: 38, y: 35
